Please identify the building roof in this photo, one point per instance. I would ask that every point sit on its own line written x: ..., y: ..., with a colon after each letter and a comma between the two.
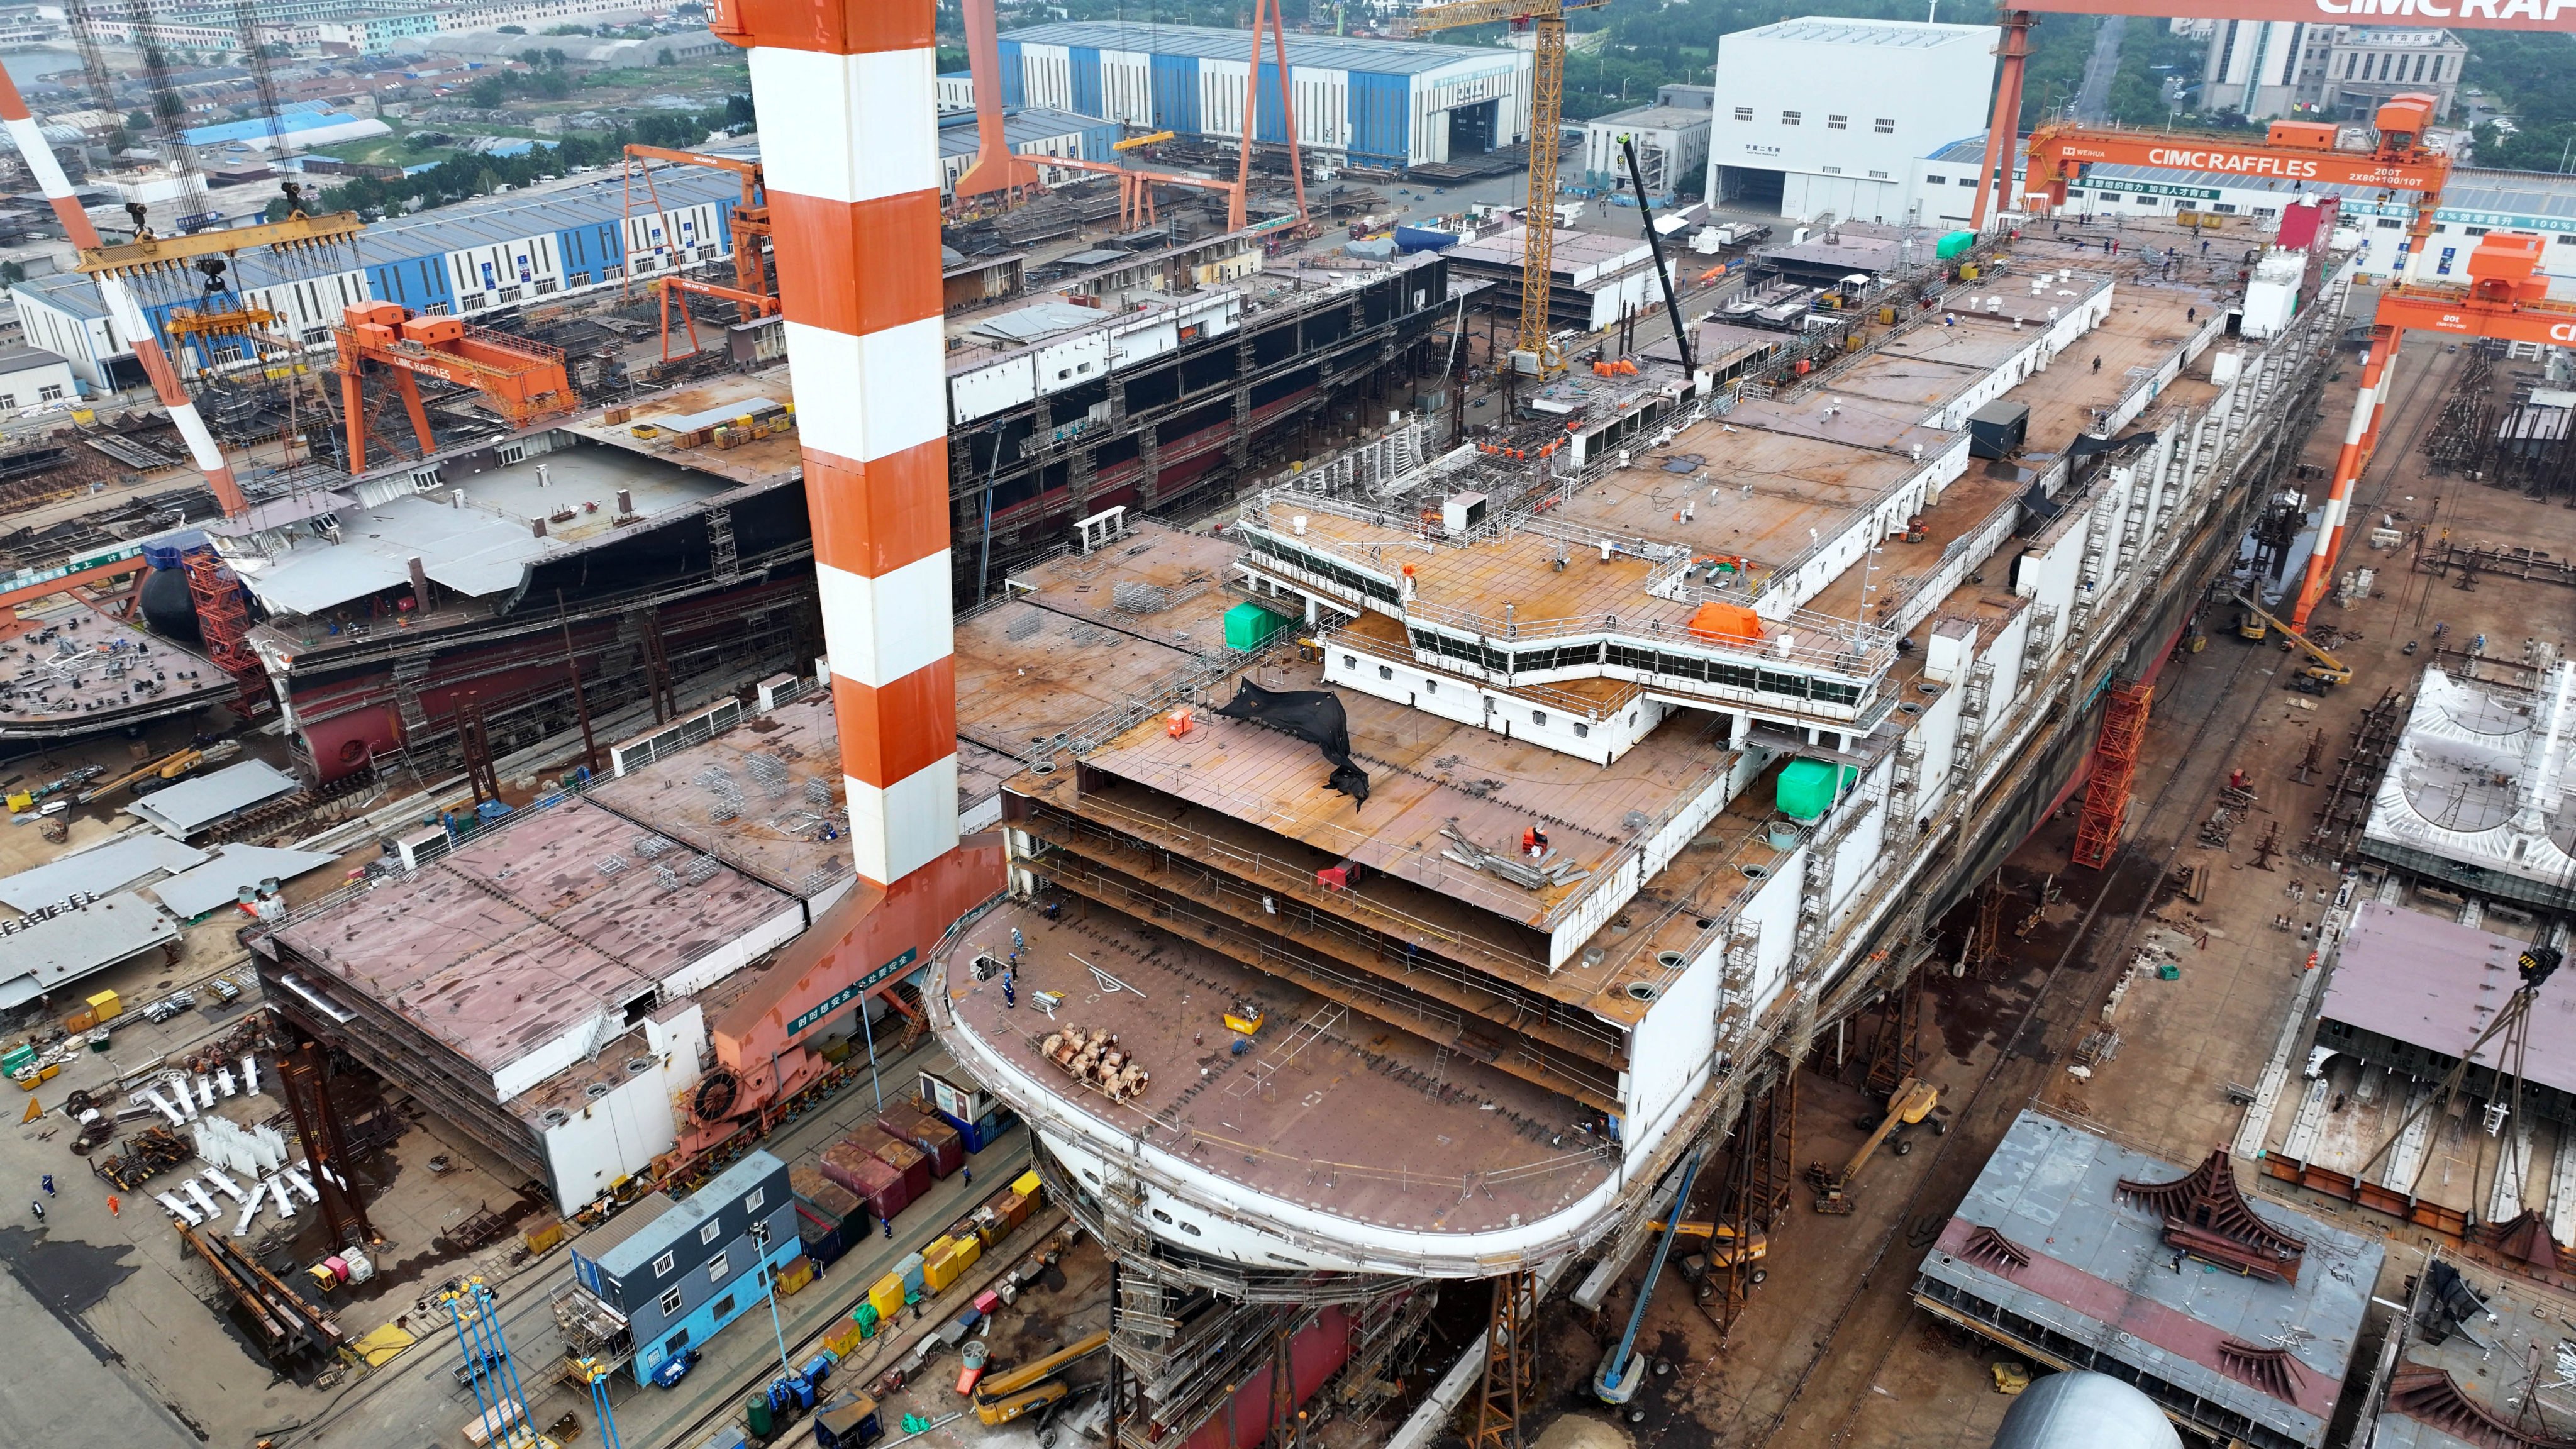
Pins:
x: 192, y: 805
x: 27, y: 359
x: 1021, y: 126
x: 489, y: 221
x: 2049, y: 1234
x: 682, y: 1218
x: 1329, y: 52
x: 1884, y: 34
x: 2437, y: 984
x: 1654, y: 117
x: 72, y: 944
x: 101, y: 868
x: 291, y: 119
x: 219, y: 881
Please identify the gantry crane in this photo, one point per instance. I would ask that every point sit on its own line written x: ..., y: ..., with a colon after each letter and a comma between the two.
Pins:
x: 1545, y: 20
x: 522, y: 380
x: 2303, y: 152
x: 2505, y: 298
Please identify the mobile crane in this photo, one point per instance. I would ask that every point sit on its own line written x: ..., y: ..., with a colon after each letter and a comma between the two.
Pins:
x: 164, y: 771
x: 2325, y: 673
x: 1913, y: 1100
x: 1004, y: 1397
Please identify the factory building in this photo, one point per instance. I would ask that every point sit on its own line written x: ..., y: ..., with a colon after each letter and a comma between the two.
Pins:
x: 1818, y: 115
x: 1373, y: 103
x: 1030, y: 131
x: 460, y: 261
x: 2265, y: 68
x: 1671, y: 138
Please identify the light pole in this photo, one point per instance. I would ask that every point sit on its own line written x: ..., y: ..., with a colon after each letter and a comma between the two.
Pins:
x: 769, y: 1285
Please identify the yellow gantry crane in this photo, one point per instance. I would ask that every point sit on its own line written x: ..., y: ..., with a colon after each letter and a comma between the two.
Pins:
x: 1545, y: 20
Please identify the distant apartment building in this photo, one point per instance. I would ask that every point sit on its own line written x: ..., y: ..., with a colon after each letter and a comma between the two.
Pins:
x: 2266, y: 68
x: 376, y: 34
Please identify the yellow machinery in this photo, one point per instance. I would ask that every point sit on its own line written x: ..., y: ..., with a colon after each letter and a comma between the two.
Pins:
x: 1911, y: 1102
x: 1243, y: 1018
x: 1724, y: 1251
x: 1000, y: 1398
x: 2324, y: 673
x: 1135, y: 142
x: 1545, y: 19
x: 165, y: 769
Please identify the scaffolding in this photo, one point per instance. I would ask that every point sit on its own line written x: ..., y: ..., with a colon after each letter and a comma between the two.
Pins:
x: 223, y: 619
x: 1760, y: 1170
x: 2115, y: 765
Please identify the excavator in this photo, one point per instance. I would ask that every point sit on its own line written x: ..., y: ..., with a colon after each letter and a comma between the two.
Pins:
x: 2324, y: 673
x: 1913, y: 1101
x: 1000, y: 1398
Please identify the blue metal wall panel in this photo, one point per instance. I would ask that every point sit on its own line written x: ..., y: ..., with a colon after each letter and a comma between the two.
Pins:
x: 1097, y: 141
x: 1272, y: 127
x: 1085, y: 65
x: 1011, y: 80
x: 1381, y: 118
x: 1176, y: 94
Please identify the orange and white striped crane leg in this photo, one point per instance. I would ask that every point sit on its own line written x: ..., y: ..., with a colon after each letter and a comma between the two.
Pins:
x: 122, y: 312
x: 844, y: 94
x: 2360, y: 438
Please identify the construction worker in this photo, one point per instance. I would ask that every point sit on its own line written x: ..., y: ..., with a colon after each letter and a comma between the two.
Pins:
x: 39, y: 1205
x: 47, y: 1183
x: 2097, y: 364
x: 113, y: 1206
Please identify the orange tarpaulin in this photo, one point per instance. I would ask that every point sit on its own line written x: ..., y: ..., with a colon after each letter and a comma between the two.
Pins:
x: 1727, y: 621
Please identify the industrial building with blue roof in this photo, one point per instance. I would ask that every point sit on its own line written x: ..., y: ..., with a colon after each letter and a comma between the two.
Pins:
x: 1380, y: 103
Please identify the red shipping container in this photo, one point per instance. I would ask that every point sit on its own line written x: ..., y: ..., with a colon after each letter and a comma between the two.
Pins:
x: 882, y: 1186
x: 846, y: 1163
x: 924, y: 1129
x: 909, y: 1160
x: 820, y: 1192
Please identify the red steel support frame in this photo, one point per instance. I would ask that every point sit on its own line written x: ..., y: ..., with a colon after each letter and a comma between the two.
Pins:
x: 855, y: 206
x: 2013, y: 45
x: 997, y: 167
x: 1252, y: 107
x: 2115, y: 764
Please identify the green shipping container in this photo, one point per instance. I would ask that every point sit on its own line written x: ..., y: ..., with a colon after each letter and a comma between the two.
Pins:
x: 21, y: 1055
x: 1808, y: 787
x: 1955, y: 243
x: 1249, y: 626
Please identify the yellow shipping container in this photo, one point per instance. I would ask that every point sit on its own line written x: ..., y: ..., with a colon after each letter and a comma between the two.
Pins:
x: 544, y: 1236
x: 1027, y: 1185
x: 887, y: 1297
x: 845, y: 1340
x: 949, y: 1261
x: 107, y: 1006
x: 794, y: 1277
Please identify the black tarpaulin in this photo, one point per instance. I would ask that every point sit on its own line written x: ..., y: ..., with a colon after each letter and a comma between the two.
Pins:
x: 2088, y: 445
x: 1313, y: 715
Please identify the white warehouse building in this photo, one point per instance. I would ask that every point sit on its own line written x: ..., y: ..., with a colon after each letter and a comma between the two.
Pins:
x: 1819, y: 114
x: 1379, y: 103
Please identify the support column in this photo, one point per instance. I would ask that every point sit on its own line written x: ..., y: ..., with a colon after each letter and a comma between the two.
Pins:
x: 2360, y: 438
x: 2003, y: 131
x: 855, y: 203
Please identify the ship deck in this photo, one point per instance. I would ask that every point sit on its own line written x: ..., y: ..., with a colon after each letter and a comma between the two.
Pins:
x: 759, y: 798
x: 72, y: 668
x: 1328, y: 1108
x: 756, y: 461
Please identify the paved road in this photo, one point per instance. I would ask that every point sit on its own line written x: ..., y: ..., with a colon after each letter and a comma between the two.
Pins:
x: 2093, y: 97
x: 61, y: 1389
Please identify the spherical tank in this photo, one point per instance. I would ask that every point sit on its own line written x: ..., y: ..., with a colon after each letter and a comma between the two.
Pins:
x: 2083, y: 1410
x: 168, y: 606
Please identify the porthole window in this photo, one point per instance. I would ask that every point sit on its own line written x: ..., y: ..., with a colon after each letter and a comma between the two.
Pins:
x: 1192, y: 1229
x: 1350, y: 661
x: 1430, y: 685
x: 1583, y: 731
x: 1160, y: 1216
x: 1385, y: 671
x: 1538, y: 716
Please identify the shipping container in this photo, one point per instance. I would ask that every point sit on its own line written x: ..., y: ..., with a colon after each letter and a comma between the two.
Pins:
x: 1998, y: 429
x: 880, y: 1186
x: 910, y: 1270
x: 908, y: 1160
x: 886, y: 1297
x: 832, y: 1203
x: 798, y: 1272
x: 923, y: 1127
x: 847, y: 1420
x: 824, y: 1241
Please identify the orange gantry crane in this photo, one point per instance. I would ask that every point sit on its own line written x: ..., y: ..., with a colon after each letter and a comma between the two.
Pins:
x: 751, y: 224
x: 2505, y: 298
x: 2303, y: 152
x: 2015, y: 18
x: 523, y: 380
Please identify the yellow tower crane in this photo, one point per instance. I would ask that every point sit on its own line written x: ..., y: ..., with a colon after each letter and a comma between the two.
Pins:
x: 1545, y: 20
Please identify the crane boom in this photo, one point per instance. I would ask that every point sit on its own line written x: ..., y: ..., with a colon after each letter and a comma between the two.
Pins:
x: 1545, y: 20
x: 2336, y: 671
